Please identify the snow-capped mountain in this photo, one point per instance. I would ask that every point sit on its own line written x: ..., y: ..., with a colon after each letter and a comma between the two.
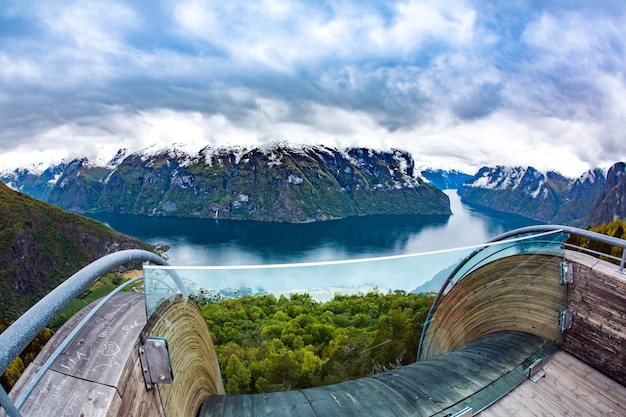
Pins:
x: 278, y: 183
x: 445, y: 179
x: 545, y: 196
x: 611, y: 203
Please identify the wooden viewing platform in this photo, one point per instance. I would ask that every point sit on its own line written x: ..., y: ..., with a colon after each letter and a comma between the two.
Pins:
x: 482, y: 365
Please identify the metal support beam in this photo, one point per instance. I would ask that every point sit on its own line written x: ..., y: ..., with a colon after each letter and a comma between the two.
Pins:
x: 155, y: 362
x: 565, y: 319
x: 466, y: 412
x: 8, y: 405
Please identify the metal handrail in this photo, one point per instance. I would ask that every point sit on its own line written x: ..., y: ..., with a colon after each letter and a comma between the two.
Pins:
x: 17, y: 336
x: 599, y: 237
x: 542, y: 228
x: 66, y: 342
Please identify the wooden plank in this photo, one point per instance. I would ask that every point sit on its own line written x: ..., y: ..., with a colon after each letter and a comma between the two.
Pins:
x: 422, y: 403
x: 523, y: 402
x: 99, y: 372
x: 598, y: 333
x: 425, y: 388
x: 365, y: 396
x: 588, y: 379
x: 573, y: 394
x: 193, y: 358
x: 99, y: 352
x: 501, y: 386
x: 62, y: 395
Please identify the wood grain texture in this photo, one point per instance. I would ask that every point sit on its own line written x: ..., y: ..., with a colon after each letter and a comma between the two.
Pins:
x: 194, y: 361
x: 570, y: 388
x: 99, y: 373
x: 519, y: 292
x: 598, y: 299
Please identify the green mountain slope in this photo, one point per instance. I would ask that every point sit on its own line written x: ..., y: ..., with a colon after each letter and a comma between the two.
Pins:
x: 42, y: 245
x: 282, y: 183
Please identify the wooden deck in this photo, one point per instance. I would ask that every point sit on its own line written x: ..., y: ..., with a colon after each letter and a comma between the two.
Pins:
x: 474, y: 375
x: 570, y: 388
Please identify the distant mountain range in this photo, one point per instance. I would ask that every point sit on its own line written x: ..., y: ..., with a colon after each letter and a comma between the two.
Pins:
x: 42, y: 245
x: 282, y: 183
x: 593, y: 198
x: 445, y: 179
x: 288, y: 183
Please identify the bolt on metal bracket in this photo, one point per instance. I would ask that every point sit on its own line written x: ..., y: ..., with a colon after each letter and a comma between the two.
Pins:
x: 565, y: 319
x: 155, y: 362
x: 567, y: 273
x: 535, y: 371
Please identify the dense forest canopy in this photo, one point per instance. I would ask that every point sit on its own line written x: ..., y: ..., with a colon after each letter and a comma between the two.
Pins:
x: 266, y: 344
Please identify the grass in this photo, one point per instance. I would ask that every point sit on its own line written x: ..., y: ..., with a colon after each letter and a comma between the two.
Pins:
x: 101, y: 288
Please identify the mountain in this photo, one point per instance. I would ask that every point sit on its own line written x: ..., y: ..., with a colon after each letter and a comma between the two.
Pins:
x: 42, y: 245
x: 445, y: 179
x: 611, y: 203
x: 281, y: 183
x: 33, y: 181
x: 544, y: 196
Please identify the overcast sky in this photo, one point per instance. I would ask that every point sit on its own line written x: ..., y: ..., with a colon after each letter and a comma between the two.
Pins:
x: 459, y: 84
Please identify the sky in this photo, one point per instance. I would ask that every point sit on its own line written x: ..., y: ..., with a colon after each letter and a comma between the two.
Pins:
x: 459, y: 84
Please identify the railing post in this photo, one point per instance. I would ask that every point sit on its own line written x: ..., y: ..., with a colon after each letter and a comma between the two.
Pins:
x: 8, y: 405
x: 621, y: 265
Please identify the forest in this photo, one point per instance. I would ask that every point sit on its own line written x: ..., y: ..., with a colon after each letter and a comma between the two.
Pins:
x: 266, y: 344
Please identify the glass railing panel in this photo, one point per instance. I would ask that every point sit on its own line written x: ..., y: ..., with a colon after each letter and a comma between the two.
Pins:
x: 549, y: 242
x: 522, y: 291
x: 321, y: 280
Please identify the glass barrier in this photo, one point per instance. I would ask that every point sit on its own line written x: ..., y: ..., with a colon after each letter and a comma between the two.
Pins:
x: 322, y: 280
x: 484, y: 295
x: 543, y: 243
x: 522, y: 291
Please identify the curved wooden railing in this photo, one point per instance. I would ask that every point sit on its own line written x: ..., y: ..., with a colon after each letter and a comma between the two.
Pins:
x: 519, y: 292
x: 451, y: 333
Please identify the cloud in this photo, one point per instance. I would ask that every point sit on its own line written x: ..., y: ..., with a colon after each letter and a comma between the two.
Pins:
x: 460, y: 84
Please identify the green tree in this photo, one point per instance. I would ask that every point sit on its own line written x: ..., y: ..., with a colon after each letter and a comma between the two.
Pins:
x: 294, y: 342
x: 237, y: 376
x: 14, y: 371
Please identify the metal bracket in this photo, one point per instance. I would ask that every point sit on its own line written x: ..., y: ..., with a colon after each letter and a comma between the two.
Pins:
x: 565, y: 319
x: 155, y: 362
x: 567, y: 273
x: 466, y: 412
x: 535, y: 371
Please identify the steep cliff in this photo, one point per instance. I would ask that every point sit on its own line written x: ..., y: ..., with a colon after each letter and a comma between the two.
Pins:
x: 611, y: 204
x: 42, y: 245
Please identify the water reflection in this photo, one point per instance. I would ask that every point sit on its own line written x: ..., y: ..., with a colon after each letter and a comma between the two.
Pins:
x: 224, y: 242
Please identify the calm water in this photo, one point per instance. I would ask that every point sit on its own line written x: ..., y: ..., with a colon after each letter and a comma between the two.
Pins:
x: 224, y: 242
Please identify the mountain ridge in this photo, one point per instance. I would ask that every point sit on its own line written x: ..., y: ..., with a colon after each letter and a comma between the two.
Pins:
x: 549, y: 197
x: 278, y: 183
x: 300, y: 183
